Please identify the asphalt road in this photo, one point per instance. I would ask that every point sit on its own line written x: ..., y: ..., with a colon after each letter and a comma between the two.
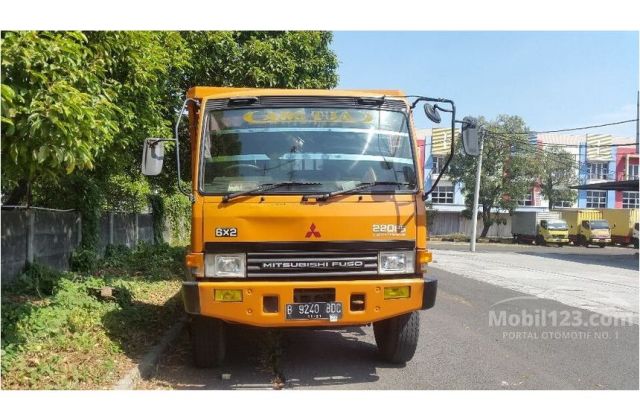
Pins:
x: 459, y: 347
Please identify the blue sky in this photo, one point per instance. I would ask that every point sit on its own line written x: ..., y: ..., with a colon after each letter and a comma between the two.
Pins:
x: 551, y: 79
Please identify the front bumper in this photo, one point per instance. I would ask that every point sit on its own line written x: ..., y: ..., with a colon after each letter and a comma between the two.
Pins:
x: 198, y: 297
x: 600, y: 240
x: 557, y: 240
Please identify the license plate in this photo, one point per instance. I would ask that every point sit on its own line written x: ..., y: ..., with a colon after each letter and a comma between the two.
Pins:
x: 315, y: 310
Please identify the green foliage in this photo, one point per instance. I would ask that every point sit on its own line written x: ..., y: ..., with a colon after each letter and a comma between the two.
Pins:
x: 126, y: 194
x: 83, y: 260
x: 277, y: 59
x: 76, y: 106
x: 177, y: 211
x: 148, y: 260
x: 557, y: 169
x: 37, y: 280
x: 57, y: 109
x: 509, y: 171
x: 58, y: 334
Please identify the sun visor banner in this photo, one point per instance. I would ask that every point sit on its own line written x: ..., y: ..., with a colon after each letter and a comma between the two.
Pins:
x: 306, y: 118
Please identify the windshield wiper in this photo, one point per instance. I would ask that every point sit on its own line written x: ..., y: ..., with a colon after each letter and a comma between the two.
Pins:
x: 266, y: 187
x: 360, y: 186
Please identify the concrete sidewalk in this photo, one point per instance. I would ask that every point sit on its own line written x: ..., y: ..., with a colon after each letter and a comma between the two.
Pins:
x: 578, y: 282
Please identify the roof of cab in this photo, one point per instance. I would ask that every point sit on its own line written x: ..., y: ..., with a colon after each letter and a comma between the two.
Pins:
x: 209, y: 92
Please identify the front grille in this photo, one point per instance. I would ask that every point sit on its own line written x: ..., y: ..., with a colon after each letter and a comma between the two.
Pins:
x: 311, y: 264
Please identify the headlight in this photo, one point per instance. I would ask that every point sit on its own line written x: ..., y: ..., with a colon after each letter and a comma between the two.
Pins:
x: 396, y: 262
x: 225, y: 265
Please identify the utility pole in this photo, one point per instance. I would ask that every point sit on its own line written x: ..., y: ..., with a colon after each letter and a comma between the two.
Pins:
x: 476, y: 195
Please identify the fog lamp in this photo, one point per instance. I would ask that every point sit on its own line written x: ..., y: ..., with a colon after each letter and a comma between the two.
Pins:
x: 397, y: 292
x: 228, y: 295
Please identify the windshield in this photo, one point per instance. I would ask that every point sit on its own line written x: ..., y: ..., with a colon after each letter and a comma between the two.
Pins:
x: 310, y: 149
x: 558, y: 225
x: 599, y: 224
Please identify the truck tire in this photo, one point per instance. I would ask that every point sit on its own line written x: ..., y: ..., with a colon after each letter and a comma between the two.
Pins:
x: 540, y: 240
x: 208, y: 341
x: 397, y: 337
x: 602, y: 245
x: 635, y: 243
x: 582, y: 241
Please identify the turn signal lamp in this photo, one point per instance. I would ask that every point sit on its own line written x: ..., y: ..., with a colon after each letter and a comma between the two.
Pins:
x: 397, y: 292
x: 195, y: 264
x: 228, y: 295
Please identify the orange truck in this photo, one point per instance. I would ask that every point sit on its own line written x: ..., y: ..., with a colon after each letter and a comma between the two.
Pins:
x: 307, y: 211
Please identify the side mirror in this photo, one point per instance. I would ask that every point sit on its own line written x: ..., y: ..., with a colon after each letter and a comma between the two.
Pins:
x: 432, y: 113
x: 152, y: 156
x: 614, y: 225
x: 470, y: 139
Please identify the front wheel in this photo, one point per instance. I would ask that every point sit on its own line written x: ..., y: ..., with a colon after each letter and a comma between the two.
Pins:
x: 601, y: 245
x: 397, y: 337
x: 208, y: 341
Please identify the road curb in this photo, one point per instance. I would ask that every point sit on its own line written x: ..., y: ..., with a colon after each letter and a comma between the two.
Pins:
x: 150, y: 360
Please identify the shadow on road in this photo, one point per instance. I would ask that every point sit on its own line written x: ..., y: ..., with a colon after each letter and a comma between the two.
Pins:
x: 315, y: 358
x: 256, y: 356
x: 625, y: 259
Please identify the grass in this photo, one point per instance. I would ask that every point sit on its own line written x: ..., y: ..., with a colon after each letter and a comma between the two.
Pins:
x: 58, y: 333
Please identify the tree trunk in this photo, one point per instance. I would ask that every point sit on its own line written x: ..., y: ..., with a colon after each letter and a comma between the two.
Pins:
x: 550, y: 186
x: 18, y: 194
x: 486, y: 223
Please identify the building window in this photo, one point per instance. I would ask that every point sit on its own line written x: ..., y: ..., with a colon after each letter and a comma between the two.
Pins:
x: 598, y: 170
x: 442, y: 195
x: 562, y: 204
x: 438, y: 164
x: 633, y: 172
x: 630, y: 199
x: 596, y: 199
x: 527, y: 200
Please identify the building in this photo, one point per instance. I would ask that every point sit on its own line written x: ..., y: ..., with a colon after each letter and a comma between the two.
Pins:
x: 599, y: 158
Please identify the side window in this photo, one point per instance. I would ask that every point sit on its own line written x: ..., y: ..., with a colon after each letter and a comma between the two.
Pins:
x: 543, y: 224
x: 585, y: 224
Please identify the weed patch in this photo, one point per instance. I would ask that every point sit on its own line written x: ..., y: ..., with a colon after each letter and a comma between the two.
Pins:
x: 57, y: 333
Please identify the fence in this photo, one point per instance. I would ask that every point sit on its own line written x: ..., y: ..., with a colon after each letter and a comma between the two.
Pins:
x: 445, y: 223
x: 49, y: 237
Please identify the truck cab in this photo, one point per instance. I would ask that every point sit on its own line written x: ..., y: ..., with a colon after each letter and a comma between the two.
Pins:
x: 554, y: 231
x: 595, y: 232
x: 307, y: 212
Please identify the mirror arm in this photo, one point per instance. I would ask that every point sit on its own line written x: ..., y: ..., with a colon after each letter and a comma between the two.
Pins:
x: 177, y: 140
x: 453, y: 136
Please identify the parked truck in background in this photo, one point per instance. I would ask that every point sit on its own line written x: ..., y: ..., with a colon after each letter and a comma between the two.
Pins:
x: 587, y: 226
x: 621, y: 222
x: 307, y: 211
x: 539, y: 227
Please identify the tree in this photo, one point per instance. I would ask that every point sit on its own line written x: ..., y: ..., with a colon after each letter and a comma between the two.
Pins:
x: 76, y: 105
x: 558, y: 172
x: 508, y: 170
x: 57, y: 112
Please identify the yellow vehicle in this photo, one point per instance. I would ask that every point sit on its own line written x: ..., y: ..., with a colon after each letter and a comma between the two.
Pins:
x: 587, y: 226
x: 539, y: 227
x: 308, y: 211
x: 622, y: 222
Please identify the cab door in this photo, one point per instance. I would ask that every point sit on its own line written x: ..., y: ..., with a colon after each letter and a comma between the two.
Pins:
x: 585, y: 230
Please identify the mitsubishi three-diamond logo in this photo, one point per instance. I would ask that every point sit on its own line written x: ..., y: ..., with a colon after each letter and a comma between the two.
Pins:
x: 312, y: 231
